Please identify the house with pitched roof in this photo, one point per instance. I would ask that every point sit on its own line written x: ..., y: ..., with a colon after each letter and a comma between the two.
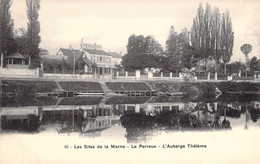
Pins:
x: 67, y: 61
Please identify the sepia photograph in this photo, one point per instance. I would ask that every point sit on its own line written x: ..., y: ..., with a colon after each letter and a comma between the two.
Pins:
x: 129, y: 81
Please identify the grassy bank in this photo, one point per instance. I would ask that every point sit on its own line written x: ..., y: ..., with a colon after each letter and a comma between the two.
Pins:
x: 25, y: 88
x: 80, y: 86
x: 28, y: 88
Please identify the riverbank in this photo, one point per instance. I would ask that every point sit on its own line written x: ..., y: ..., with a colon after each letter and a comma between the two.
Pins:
x: 30, y: 88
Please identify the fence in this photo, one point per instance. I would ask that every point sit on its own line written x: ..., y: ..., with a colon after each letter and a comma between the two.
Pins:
x: 138, y: 75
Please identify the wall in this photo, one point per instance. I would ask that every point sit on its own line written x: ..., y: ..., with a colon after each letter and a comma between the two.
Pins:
x: 19, y: 73
x: 67, y: 76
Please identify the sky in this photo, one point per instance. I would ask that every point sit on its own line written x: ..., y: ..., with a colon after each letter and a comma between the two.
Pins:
x: 111, y: 22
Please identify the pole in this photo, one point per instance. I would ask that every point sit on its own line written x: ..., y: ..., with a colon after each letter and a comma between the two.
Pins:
x: 73, y: 59
x: 74, y: 63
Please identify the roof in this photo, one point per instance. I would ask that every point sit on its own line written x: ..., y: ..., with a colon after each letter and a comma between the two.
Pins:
x: 88, y: 62
x: 97, y: 52
x: 15, y: 55
x: 41, y: 49
x: 53, y: 61
x: 115, y: 55
x: 70, y: 54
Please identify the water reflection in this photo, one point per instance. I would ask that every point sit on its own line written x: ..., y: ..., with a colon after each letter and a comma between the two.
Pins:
x: 140, y: 117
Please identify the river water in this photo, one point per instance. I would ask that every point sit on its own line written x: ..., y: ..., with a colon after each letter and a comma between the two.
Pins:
x: 120, y: 123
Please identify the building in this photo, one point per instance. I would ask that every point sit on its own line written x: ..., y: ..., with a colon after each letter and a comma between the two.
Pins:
x: 89, y: 59
x: 117, y: 58
x: 102, y: 60
x: 15, y: 60
x: 67, y: 61
x: 43, y: 52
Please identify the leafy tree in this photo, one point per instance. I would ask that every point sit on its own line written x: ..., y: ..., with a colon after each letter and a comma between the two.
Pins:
x: 254, y: 64
x: 6, y: 26
x: 178, y: 51
x: 234, y: 67
x: 246, y: 49
x: 173, y: 57
x: 142, y: 52
x: 201, y: 33
x: 33, y: 30
x: 227, y: 39
x: 212, y: 35
x: 216, y: 36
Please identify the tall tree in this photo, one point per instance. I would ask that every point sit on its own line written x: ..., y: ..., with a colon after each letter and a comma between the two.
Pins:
x: 227, y: 39
x: 173, y: 57
x: 178, y: 50
x: 197, y: 31
x: 6, y: 26
x: 201, y: 33
x: 33, y: 30
x: 212, y: 35
x: 216, y: 36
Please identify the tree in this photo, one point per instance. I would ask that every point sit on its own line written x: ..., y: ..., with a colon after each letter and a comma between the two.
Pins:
x: 216, y: 36
x: 173, y: 57
x: 6, y: 26
x: 235, y: 67
x: 178, y: 51
x: 142, y: 52
x: 33, y: 30
x: 227, y: 39
x: 201, y: 33
x: 212, y: 35
x: 20, y: 36
x: 254, y: 64
x: 246, y: 49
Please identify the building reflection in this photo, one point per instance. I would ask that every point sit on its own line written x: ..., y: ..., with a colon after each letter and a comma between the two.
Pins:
x: 141, y: 120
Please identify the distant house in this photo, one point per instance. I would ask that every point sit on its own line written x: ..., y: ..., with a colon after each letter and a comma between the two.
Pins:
x: 102, y: 60
x: 117, y: 58
x: 65, y: 61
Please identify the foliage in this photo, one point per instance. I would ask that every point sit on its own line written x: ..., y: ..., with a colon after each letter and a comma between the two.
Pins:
x: 6, y: 26
x: 200, y: 33
x: 227, y: 39
x: 33, y: 30
x: 212, y: 35
x: 178, y: 51
x: 255, y: 64
x: 20, y: 40
x: 246, y: 49
x: 142, y: 52
x: 234, y: 67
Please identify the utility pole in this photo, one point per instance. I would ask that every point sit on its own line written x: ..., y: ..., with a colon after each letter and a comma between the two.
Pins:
x: 73, y: 59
